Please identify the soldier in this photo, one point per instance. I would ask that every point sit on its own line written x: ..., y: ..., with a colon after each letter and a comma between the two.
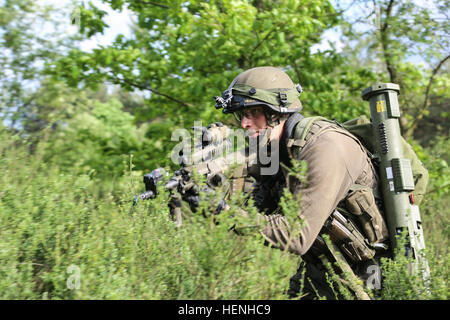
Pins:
x: 340, y: 174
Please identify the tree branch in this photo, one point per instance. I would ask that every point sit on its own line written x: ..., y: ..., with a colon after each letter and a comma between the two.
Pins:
x: 264, y: 39
x: 388, y: 14
x: 426, y: 102
x: 143, y: 87
x: 384, y: 37
x: 340, y: 12
x: 438, y: 188
x: 152, y: 4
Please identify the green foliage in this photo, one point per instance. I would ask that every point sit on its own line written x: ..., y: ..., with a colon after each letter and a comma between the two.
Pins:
x: 101, y: 138
x: 400, y: 284
x: 25, y: 52
x: 53, y: 220
x: 434, y: 209
x: 77, y: 156
x: 403, y: 42
x: 91, y: 20
x: 186, y: 52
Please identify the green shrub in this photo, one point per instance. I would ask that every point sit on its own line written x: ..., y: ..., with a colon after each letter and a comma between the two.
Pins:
x: 71, y: 234
x: 55, y: 225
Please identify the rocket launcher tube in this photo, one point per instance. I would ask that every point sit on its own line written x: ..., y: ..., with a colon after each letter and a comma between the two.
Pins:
x: 395, y: 172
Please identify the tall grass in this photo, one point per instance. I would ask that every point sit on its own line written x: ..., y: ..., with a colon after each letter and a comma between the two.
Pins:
x: 68, y: 234
x: 73, y: 236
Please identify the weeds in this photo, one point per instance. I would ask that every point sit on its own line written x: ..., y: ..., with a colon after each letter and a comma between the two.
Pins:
x: 58, y: 225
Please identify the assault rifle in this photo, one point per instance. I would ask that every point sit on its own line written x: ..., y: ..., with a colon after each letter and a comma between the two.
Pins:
x: 207, y: 160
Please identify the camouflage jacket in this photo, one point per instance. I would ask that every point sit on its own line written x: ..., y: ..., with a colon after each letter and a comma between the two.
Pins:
x: 336, y: 161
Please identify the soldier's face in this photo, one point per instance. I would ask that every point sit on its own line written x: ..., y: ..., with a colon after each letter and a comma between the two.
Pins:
x: 253, y: 120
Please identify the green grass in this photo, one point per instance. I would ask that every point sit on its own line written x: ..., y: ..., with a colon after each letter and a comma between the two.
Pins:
x: 63, y: 228
x: 50, y: 220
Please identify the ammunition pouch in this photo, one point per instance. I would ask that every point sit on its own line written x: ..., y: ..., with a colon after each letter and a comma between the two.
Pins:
x: 345, y: 235
x: 361, y: 203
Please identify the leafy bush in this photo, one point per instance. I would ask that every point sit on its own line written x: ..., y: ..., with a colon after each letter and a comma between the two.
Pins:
x: 54, y: 223
x: 70, y: 234
x: 97, y: 139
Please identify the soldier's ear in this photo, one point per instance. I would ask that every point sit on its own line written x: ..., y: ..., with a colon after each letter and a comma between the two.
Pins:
x: 272, y: 119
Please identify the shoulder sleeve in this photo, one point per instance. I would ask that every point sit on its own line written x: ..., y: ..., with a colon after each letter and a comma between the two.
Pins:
x: 334, y: 161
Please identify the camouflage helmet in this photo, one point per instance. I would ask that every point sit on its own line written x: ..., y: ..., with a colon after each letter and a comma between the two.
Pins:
x: 261, y: 86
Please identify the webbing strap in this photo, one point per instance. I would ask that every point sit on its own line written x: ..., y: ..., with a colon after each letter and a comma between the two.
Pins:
x: 301, y: 131
x: 375, y: 191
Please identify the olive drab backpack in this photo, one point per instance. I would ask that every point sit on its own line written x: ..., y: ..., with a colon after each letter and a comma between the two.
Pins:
x: 363, y: 203
x: 361, y: 127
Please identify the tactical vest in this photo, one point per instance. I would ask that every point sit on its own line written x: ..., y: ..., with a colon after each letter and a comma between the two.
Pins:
x: 361, y: 209
x: 361, y: 128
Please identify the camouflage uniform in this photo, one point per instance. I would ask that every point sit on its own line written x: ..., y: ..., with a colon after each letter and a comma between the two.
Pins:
x: 336, y: 162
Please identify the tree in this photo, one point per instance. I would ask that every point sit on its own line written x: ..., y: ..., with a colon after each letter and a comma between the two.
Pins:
x: 390, y: 37
x: 31, y: 35
x: 184, y: 53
